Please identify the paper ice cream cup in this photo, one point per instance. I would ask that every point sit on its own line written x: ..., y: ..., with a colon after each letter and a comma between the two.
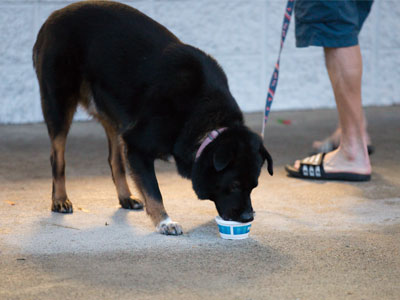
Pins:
x: 232, y: 230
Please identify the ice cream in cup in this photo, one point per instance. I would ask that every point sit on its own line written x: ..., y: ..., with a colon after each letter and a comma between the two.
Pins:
x: 232, y: 230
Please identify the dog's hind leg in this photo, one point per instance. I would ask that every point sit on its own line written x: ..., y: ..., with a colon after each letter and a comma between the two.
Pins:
x: 59, y: 90
x: 58, y: 116
x: 117, y: 164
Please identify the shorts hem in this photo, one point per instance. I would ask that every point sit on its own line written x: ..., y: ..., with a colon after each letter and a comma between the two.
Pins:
x: 327, y: 42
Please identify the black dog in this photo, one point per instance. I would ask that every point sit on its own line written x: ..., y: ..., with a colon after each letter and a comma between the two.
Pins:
x: 155, y: 97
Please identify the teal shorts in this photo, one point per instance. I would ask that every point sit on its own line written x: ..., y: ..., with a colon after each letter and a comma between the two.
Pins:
x: 329, y: 23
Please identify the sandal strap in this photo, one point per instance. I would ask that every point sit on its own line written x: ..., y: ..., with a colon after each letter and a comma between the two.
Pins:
x: 312, y: 166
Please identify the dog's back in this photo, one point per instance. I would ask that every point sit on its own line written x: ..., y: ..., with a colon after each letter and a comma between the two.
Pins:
x: 86, y: 24
x: 113, y: 55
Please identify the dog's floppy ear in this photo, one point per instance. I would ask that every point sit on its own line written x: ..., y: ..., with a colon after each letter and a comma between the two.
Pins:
x: 223, y: 156
x: 266, y: 156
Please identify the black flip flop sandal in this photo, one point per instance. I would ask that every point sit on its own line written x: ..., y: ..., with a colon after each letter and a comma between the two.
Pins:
x: 312, y: 168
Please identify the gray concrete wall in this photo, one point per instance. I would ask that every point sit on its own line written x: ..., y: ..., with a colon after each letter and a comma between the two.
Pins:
x: 242, y: 35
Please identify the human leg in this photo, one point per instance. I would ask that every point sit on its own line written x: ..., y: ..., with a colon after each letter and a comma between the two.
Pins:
x: 344, y: 67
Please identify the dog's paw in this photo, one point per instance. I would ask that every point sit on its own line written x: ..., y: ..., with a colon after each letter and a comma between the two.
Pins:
x: 131, y: 203
x: 62, y: 206
x: 168, y: 227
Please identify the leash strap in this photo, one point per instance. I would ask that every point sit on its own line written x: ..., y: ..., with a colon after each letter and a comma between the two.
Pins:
x: 274, y: 79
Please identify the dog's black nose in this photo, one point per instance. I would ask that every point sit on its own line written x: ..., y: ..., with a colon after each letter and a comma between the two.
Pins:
x: 247, y: 216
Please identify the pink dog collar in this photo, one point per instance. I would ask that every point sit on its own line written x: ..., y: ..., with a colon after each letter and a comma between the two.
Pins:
x: 210, y: 137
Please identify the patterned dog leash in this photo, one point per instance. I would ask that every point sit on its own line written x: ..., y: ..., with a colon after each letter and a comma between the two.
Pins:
x: 274, y: 79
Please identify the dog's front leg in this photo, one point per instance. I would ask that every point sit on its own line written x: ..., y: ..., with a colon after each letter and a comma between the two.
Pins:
x: 145, y: 179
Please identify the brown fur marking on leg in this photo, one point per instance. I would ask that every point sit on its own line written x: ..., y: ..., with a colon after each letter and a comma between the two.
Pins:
x: 60, y: 202
x: 154, y: 207
x: 155, y: 210
x: 116, y: 161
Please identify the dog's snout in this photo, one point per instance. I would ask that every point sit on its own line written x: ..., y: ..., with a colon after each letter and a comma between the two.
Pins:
x: 247, y: 216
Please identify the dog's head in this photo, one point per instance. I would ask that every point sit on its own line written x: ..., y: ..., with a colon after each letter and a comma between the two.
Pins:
x: 228, y: 170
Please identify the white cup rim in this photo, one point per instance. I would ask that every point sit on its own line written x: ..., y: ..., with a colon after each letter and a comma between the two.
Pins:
x: 221, y: 221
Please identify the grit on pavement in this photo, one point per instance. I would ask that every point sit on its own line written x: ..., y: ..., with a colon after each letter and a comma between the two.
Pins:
x: 309, y: 240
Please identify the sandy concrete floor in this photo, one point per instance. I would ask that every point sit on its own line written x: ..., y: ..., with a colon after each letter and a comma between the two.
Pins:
x: 310, y: 240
